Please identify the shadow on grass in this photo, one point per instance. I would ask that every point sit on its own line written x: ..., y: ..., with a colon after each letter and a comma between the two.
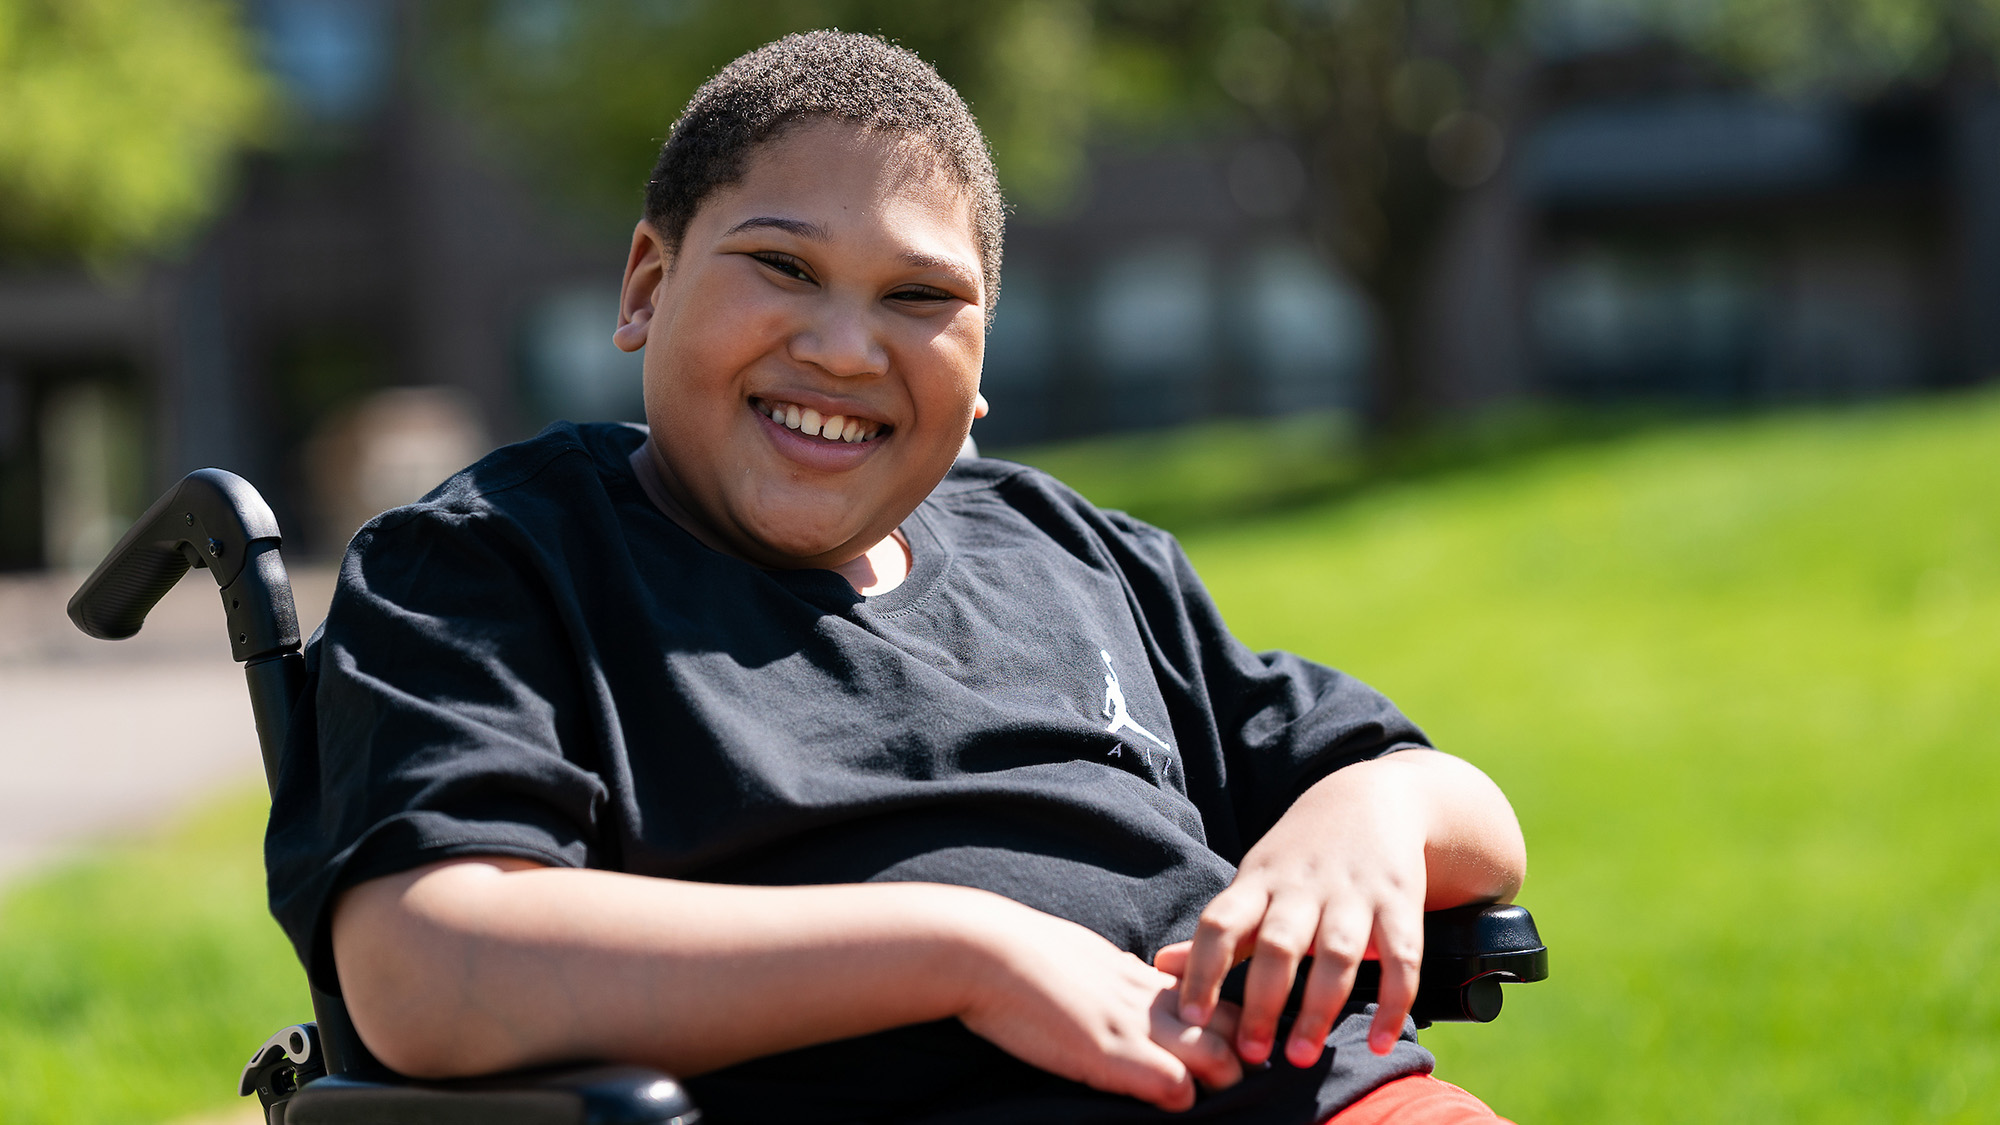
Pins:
x: 1215, y: 473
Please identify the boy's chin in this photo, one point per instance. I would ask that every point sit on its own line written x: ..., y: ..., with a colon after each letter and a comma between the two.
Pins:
x: 811, y: 527
x: 796, y: 546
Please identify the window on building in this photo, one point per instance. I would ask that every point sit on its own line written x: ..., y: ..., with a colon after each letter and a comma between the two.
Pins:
x: 1152, y: 330
x: 569, y: 366
x: 1307, y: 331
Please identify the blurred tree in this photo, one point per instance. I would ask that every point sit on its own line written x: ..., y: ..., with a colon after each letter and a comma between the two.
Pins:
x: 585, y: 92
x: 1397, y: 105
x: 118, y: 119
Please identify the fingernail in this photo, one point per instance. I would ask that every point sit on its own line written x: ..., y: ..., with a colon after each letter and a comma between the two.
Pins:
x: 1255, y: 1050
x: 1381, y: 1042
x: 1191, y: 1013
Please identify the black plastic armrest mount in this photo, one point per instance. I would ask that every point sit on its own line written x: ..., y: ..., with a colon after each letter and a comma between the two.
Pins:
x: 594, y: 1095
x: 289, y: 1076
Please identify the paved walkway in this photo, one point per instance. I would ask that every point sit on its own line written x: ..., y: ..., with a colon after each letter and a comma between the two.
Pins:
x: 102, y: 738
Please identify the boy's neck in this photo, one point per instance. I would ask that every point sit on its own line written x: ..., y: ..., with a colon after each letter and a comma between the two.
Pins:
x: 878, y: 570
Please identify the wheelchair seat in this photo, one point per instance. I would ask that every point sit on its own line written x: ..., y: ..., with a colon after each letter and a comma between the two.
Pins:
x: 321, y: 1073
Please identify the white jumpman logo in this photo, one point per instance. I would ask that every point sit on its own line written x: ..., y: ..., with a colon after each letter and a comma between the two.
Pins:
x: 1114, y: 707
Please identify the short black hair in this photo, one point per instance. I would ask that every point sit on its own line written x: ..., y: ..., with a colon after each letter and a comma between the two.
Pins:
x: 833, y: 75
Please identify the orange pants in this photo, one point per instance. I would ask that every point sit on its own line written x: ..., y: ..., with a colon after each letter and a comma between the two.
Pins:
x: 1417, y: 1100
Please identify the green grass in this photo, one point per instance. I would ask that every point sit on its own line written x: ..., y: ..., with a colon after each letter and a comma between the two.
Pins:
x: 1741, y: 680
x: 135, y: 982
x: 1742, y: 683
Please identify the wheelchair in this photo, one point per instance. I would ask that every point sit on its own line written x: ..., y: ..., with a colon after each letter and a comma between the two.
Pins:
x: 321, y: 1073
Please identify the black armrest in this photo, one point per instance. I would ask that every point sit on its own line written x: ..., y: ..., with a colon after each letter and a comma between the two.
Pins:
x: 1468, y: 952
x: 598, y: 1095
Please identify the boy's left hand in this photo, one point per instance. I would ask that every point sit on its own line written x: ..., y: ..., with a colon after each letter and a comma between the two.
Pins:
x: 1341, y: 877
x: 1347, y: 874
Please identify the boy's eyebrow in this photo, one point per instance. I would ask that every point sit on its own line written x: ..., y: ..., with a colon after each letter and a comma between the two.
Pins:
x: 798, y: 227
x: 952, y: 266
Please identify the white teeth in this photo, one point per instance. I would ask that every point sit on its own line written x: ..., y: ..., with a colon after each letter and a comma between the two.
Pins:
x: 832, y: 427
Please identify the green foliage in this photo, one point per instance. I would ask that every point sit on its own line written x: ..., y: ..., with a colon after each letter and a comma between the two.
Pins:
x: 1740, y: 681
x: 1847, y: 46
x: 584, y: 94
x: 135, y: 982
x: 118, y: 119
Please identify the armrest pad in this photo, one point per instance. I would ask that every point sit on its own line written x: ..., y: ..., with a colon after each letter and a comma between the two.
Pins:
x: 596, y: 1095
x: 1468, y: 952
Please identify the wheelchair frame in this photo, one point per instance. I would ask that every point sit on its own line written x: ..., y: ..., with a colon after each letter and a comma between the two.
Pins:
x: 321, y: 1073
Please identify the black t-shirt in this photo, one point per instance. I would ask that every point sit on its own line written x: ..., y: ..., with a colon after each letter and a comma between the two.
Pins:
x: 534, y: 661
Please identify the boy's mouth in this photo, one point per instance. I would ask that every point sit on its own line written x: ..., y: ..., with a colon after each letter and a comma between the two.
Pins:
x: 811, y: 423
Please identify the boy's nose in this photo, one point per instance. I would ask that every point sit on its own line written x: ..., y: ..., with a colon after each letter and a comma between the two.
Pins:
x: 841, y: 342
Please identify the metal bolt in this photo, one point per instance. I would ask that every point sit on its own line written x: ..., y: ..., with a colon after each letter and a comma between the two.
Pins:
x: 215, y: 548
x: 188, y: 518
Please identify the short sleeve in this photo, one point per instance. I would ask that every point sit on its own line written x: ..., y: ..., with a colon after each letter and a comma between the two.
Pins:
x: 1276, y: 723
x: 440, y: 719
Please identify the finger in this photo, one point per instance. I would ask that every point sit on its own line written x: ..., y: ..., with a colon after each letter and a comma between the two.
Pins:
x: 1337, y: 955
x: 1205, y: 1051
x: 1326, y: 991
x: 1226, y: 1019
x: 1155, y: 1074
x: 1173, y: 959
x: 1399, y: 942
x: 1282, y: 942
x: 1221, y: 938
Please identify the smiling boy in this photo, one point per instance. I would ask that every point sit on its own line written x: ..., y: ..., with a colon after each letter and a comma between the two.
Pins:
x: 766, y: 746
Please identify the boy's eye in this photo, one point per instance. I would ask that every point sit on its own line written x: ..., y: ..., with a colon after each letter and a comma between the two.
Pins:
x: 921, y: 294
x: 783, y: 263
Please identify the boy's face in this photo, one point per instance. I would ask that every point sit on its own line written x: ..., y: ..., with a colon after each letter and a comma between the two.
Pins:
x: 838, y: 279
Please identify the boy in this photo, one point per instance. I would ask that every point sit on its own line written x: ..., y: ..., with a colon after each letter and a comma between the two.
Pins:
x: 765, y: 746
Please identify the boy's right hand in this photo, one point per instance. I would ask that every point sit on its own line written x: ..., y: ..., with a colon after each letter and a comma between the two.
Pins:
x: 1057, y: 995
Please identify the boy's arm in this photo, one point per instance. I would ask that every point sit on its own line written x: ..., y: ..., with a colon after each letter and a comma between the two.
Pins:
x: 478, y: 965
x: 1348, y: 871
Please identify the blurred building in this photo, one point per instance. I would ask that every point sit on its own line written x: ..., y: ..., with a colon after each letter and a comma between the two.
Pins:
x: 1690, y: 240
x: 1655, y: 232
x: 1181, y: 286
x: 381, y: 292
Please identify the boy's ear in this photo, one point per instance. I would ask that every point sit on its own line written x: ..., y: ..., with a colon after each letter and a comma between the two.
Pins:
x: 979, y: 407
x: 645, y: 267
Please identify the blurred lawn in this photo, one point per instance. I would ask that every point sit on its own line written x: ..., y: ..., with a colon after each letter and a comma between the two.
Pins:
x: 1741, y: 680
x: 1742, y: 683
x: 135, y: 982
